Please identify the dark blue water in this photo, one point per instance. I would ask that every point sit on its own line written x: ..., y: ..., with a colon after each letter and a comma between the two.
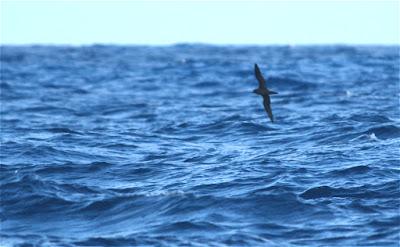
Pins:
x: 167, y: 146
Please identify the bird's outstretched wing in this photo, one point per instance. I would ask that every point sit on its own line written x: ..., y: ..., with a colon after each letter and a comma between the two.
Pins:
x: 259, y: 77
x: 267, y: 107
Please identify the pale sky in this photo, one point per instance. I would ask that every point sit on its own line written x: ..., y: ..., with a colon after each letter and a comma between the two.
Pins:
x: 215, y: 22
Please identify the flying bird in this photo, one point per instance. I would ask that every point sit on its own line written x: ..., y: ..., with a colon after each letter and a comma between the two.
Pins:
x: 264, y: 92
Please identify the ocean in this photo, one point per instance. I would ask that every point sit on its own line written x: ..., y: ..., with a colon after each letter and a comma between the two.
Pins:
x: 108, y: 145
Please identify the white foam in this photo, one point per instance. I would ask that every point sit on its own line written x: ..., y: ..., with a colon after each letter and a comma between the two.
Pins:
x: 372, y: 136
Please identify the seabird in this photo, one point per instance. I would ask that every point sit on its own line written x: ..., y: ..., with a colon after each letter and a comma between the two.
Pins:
x: 264, y: 92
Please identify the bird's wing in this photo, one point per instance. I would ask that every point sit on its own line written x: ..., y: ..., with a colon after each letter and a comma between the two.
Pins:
x: 267, y: 107
x: 259, y: 77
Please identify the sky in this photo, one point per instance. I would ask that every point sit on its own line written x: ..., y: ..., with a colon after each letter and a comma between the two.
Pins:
x: 216, y: 22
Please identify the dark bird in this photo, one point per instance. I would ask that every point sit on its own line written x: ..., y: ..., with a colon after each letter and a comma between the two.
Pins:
x: 264, y: 92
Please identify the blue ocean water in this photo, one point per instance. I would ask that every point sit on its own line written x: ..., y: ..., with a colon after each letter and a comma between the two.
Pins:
x: 168, y: 146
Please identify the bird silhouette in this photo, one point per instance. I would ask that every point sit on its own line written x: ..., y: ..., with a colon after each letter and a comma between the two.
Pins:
x: 264, y: 92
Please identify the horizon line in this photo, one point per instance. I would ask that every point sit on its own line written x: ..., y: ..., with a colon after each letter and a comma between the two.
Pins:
x: 198, y: 43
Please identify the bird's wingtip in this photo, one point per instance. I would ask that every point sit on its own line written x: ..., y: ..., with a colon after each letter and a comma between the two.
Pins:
x: 256, y: 67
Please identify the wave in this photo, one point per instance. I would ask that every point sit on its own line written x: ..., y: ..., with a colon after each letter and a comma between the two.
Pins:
x: 371, y: 118
x: 362, y: 192
x: 62, y: 130
x: 384, y: 132
x: 353, y: 170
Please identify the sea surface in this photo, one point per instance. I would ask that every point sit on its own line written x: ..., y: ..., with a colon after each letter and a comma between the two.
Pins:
x: 168, y: 146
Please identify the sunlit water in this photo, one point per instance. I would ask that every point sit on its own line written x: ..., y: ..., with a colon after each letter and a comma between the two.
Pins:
x: 168, y: 146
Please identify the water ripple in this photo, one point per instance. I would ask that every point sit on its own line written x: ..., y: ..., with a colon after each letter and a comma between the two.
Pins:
x: 167, y: 146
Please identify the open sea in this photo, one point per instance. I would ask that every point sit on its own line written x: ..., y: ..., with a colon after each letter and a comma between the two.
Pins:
x: 168, y: 146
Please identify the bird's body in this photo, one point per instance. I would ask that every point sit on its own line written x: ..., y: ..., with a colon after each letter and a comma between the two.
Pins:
x: 264, y: 92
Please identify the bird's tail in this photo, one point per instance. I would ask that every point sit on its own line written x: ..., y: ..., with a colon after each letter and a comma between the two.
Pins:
x: 272, y: 92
